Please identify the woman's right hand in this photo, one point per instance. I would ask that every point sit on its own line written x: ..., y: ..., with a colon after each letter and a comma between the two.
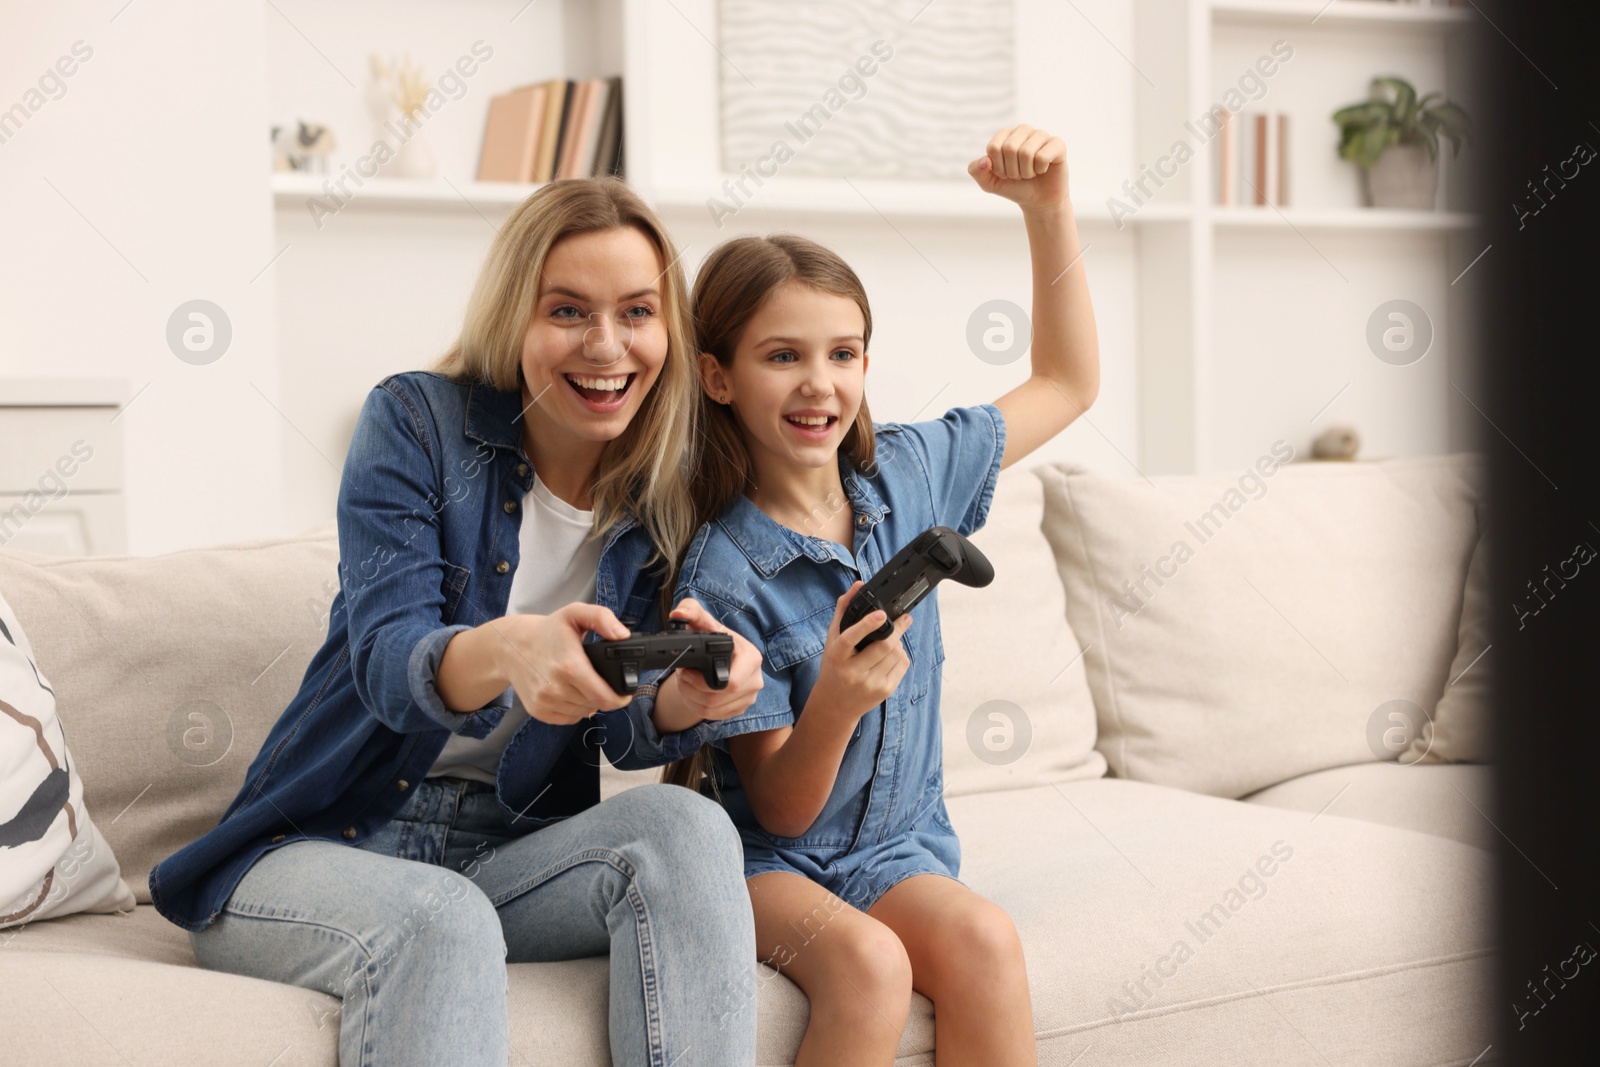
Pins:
x: 853, y: 683
x: 542, y: 658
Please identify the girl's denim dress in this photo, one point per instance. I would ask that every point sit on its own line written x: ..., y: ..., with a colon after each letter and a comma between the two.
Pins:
x: 885, y: 819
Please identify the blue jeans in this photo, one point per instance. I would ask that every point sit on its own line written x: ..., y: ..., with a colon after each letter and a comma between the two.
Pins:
x: 413, y: 928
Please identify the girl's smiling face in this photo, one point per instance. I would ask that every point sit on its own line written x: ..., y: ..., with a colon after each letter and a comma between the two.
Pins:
x: 596, y: 342
x: 797, y: 377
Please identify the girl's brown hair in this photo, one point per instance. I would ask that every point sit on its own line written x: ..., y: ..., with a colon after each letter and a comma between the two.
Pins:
x: 643, y: 472
x: 734, y: 283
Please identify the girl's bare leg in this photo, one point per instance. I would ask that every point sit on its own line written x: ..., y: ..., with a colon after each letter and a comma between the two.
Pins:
x: 966, y: 957
x: 851, y: 966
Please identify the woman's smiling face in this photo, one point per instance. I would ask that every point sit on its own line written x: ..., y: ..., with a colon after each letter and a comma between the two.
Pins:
x: 797, y: 377
x: 597, y: 341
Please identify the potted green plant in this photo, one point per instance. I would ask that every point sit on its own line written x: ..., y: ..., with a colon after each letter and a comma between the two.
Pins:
x: 1394, y: 138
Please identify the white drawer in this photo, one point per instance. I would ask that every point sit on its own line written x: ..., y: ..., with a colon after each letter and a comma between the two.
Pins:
x: 45, y: 448
x: 78, y: 524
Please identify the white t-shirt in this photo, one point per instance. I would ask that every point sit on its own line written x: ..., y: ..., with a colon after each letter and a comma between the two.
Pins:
x: 556, y: 568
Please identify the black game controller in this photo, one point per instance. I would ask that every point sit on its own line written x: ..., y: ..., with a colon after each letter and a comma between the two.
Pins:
x: 936, y: 554
x: 621, y: 662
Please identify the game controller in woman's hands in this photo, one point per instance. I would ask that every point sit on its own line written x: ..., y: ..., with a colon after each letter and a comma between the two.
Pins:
x: 935, y: 555
x: 621, y: 662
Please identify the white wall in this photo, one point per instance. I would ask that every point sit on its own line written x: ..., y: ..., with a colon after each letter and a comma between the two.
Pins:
x: 140, y: 188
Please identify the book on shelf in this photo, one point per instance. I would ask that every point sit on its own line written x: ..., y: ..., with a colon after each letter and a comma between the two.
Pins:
x: 544, y: 164
x: 1251, y: 164
x: 510, y: 137
x: 1226, y: 157
x: 560, y: 128
x: 608, y: 159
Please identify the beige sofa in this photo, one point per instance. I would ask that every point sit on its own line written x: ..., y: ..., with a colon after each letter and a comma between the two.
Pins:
x: 1337, y: 914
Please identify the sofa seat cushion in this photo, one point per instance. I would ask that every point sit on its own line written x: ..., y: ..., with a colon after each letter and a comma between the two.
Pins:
x: 1103, y: 877
x: 1106, y: 878
x: 141, y: 934
x: 133, y: 978
x: 1446, y: 799
x: 87, y: 1005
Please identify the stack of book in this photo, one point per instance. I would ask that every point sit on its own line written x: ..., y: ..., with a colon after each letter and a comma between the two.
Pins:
x: 554, y: 129
x: 1251, y: 166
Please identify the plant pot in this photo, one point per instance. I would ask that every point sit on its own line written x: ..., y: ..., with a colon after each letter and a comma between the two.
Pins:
x: 1404, y: 178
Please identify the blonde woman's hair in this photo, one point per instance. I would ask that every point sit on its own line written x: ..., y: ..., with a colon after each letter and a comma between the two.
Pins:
x: 644, y: 471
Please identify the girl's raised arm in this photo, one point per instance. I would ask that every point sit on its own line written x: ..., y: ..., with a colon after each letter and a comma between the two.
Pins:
x: 1029, y: 167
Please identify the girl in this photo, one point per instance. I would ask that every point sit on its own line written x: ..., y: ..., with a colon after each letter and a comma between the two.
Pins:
x: 834, y: 776
x: 426, y: 809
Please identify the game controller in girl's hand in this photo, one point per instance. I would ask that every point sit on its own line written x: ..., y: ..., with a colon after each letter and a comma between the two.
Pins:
x: 621, y: 662
x: 936, y: 554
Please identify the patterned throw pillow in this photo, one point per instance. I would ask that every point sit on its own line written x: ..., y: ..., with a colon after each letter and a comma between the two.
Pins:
x: 53, y: 860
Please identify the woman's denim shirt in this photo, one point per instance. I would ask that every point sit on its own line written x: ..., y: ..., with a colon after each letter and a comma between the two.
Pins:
x: 428, y: 519
x: 779, y: 588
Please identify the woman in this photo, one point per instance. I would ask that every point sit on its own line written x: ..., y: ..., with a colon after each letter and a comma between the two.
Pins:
x: 427, y: 808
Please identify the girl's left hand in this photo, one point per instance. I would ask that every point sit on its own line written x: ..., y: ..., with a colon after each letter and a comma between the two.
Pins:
x: 1024, y: 165
x: 744, y: 672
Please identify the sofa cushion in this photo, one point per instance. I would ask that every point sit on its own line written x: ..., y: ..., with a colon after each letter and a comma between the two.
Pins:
x: 1447, y: 800
x: 1244, y: 629
x: 170, y: 670
x: 1103, y: 878
x: 53, y: 858
x: 137, y: 977
x: 1162, y: 926
x: 1016, y: 706
x: 1458, y: 729
x: 81, y: 1007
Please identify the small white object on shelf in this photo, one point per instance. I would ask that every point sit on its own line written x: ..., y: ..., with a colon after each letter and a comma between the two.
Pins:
x: 396, y: 94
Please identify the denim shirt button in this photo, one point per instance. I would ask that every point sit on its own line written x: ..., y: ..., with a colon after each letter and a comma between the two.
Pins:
x: 402, y: 785
x: 276, y: 838
x: 861, y: 520
x: 502, y: 567
x: 522, y: 469
x: 349, y: 833
x: 511, y: 507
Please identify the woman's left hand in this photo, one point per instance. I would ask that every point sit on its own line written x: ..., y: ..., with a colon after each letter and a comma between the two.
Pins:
x: 1024, y: 165
x: 744, y: 672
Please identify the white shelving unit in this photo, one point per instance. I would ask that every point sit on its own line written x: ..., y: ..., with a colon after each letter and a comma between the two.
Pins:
x: 1222, y: 328
x: 1247, y: 313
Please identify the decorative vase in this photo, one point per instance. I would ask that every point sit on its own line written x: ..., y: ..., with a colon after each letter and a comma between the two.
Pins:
x: 414, y: 159
x: 1404, y: 177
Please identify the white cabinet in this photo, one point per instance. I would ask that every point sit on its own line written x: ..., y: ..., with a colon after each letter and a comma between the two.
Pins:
x: 61, y: 470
